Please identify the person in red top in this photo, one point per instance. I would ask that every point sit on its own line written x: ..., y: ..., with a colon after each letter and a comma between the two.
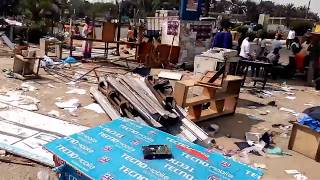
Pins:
x: 130, y: 36
x: 87, y: 32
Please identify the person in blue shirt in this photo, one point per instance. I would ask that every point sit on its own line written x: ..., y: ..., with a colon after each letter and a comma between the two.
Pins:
x: 223, y: 39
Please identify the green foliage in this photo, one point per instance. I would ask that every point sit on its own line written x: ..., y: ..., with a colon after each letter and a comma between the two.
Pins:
x: 33, y: 9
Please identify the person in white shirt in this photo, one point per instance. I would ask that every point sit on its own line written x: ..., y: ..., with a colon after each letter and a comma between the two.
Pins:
x: 245, y: 47
x: 290, y: 38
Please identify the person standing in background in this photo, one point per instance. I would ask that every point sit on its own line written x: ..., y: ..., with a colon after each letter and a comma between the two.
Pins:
x: 263, y: 46
x: 87, y: 32
x: 276, y: 43
x: 245, y: 53
x: 130, y: 36
x: 290, y: 38
x: 223, y: 39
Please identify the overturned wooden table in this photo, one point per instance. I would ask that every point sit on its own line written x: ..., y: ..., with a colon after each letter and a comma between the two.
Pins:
x: 223, y: 100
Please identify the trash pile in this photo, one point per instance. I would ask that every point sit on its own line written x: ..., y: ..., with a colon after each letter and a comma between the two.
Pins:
x: 136, y: 98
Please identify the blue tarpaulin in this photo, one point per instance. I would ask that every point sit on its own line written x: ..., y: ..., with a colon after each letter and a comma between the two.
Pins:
x: 114, y: 151
x: 307, y: 120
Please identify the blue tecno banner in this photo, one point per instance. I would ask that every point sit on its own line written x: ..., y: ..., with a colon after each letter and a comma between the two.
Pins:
x: 114, y: 151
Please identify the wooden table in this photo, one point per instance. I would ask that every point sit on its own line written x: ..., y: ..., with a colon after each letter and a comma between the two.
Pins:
x: 255, y: 65
x: 106, y: 47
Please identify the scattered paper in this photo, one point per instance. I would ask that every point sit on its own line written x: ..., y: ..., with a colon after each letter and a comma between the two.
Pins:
x: 51, y: 86
x: 77, y: 91
x: 15, y: 98
x: 289, y: 111
x: 291, y: 172
x: 71, y: 83
x: 27, y: 86
x: 296, y: 174
x: 95, y: 107
x: 300, y: 177
x: 70, y: 104
x: 291, y: 97
x: 267, y: 93
x: 54, y: 113
x: 252, y: 107
x: 59, y: 98
x: 253, y: 137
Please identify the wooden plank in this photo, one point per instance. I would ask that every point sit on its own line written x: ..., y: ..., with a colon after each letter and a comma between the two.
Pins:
x: 7, y: 41
x: 105, y: 104
x: 170, y: 75
x: 24, y: 133
x: 223, y: 95
x: 180, y: 93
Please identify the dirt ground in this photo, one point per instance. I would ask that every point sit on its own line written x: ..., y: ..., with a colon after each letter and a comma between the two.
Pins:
x: 232, y: 128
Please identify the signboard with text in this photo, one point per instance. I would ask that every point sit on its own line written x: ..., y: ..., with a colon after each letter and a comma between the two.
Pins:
x: 114, y: 151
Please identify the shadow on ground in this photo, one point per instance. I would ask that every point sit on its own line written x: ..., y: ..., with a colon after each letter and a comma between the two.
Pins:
x: 236, y: 126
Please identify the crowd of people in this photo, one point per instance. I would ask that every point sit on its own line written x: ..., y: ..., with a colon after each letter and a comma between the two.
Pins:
x: 269, y: 50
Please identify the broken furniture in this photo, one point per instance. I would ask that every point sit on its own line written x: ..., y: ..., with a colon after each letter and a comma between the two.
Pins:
x: 162, y: 90
x: 220, y: 100
x: 47, y: 43
x: 136, y: 45
x: 213, y: 59
x: 259, y: 71
x: 305, y: 141
x: 131, y: 97
x: 23, y: 67
x: 158, y: 56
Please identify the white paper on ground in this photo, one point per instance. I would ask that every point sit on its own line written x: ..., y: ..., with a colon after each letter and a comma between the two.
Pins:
x: 287, y: 110
x: 72, y: 103
x: 95, y: 107
x: 291, y: 97
x: 54, y: 113
x: 51, y: 86
x: 292, y: 171
x: 15, y: 98
x: 28, y: 86
x: 77, y: 91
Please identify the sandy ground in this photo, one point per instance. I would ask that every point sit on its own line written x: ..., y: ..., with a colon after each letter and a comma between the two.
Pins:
x: 234, y: 126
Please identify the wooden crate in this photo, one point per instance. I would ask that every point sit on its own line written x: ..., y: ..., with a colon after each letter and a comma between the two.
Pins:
x: 223, y: 100
x: 305, y: 141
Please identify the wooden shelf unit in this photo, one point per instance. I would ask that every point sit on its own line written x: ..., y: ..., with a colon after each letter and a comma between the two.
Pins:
x: 223, y: 100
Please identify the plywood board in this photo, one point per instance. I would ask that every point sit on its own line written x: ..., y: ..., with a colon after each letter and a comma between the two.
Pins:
x: 170, y: 75
x: 306, y: 142
x: 24, y: 133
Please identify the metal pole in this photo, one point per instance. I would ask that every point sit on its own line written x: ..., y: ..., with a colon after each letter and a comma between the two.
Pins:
x: 308, y: 9
x: 119, y: 27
